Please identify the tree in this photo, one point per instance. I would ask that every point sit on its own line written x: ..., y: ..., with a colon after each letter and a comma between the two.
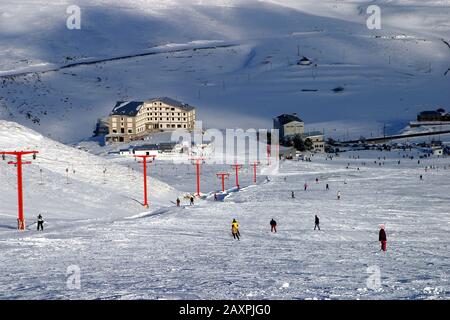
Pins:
x: 299, y: 144
x: 309, y: 144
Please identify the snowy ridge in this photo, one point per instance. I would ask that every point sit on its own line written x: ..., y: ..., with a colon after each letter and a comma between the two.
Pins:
x: 243, y: 85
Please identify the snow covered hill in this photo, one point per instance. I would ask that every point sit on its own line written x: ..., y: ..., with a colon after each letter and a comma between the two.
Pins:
x: 84, y: 192
x: 233, y: 59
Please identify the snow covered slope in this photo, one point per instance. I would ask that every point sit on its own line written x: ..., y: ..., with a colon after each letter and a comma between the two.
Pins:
x: 233, y: 59
x: 89, y: 193
x: 188, y: 252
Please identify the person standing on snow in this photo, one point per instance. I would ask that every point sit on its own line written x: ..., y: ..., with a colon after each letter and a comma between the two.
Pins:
x: 292, y: 195
x: 382, y: 238
x: 192, y: 201
x: 273, y: 226
x: 339, y: 195
x: 316, y: 222
x: 235, y: 229
x: 178, y: 202
x: 327, y: 187
x: 40, y: 223
x: 306, y: 186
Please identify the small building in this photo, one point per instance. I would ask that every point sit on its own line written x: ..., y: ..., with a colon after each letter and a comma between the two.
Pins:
x: 438, y: 115
x: 317, y: 140
x: 154, y: 149
x: 288, y: 125
x: 438, y: 151
x: 126, y: 152
x: 304, y: 61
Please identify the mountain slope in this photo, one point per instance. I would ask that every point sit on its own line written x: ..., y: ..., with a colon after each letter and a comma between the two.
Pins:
x: 85, y: 192
x: 388, y: 75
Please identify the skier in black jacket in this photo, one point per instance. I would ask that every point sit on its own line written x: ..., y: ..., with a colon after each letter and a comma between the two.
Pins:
x: 273, y: 226
x: 316, y: 222
x: 40, y: 223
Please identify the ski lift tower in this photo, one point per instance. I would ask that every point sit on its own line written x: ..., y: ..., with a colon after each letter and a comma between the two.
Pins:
x: 236, y: 167
x: 223, y: 176
x: 197, y: 161
x: 19, y: 162
x: 254, y: 165
x: 144, y: 162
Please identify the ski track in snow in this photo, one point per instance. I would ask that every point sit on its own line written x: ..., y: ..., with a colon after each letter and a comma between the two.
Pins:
x: 188, y: 252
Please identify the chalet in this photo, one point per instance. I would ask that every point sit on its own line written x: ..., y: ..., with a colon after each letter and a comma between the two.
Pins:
x: 304, y: 62
x: 438, y: 115
x: 317, y: 140
x: 288, y: 125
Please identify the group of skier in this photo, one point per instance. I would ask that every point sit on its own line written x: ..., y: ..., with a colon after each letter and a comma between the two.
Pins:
x: 273, y: 228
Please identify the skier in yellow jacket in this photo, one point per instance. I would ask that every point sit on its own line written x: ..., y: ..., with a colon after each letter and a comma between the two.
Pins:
x: 235, y: 229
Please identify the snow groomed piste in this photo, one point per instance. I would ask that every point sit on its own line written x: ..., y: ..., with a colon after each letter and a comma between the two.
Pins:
x: 97, y: 223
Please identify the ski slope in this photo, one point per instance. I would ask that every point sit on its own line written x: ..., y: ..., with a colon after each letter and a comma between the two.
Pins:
x: 235, y: 60
x: 84, y: 192
x: 125, y: 252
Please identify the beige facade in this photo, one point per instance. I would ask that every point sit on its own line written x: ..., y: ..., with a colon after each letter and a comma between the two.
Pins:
x: 318, y: 142
x: 130, y: 121
x: 293, y: 128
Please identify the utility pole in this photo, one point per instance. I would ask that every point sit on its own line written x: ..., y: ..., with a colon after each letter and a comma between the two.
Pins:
x: 197, y: 162
x: 18, y: 164
x: 254, y: 164
x: 144, y: 162
x: 236, y: 168
x: 223, y: 176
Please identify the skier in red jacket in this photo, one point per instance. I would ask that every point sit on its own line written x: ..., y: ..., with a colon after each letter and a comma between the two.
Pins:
x: 382, y: 238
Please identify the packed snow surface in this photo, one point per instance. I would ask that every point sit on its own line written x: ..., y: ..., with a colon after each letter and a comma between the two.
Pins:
x: 126, y: 252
